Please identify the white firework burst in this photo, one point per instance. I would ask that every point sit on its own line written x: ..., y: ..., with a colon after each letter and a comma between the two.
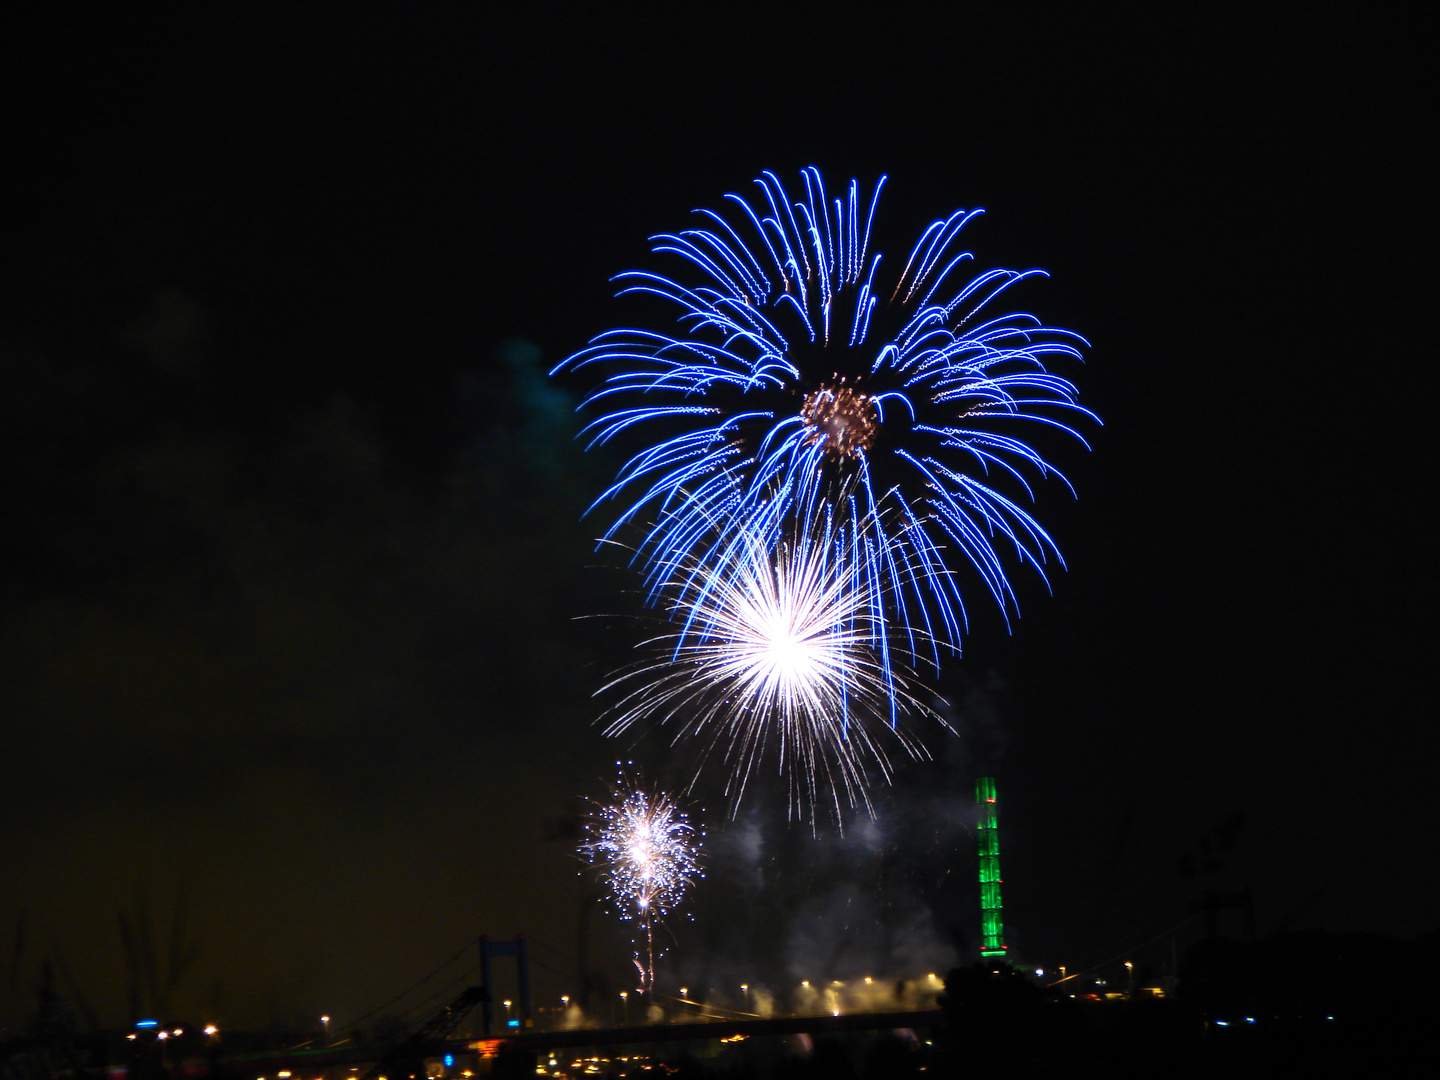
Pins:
x: 781, y: 656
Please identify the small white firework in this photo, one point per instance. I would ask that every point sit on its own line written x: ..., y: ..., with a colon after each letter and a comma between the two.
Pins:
x: 648, y: 854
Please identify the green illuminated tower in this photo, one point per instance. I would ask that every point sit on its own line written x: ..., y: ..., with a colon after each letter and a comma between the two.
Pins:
x: 992, y: 921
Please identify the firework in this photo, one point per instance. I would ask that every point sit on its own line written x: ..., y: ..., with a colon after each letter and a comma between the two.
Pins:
x: 647, y: 850
x: 781, y: 660
x: 797, y: 380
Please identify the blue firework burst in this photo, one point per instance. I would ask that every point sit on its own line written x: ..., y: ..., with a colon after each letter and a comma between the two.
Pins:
x: 809, y: 379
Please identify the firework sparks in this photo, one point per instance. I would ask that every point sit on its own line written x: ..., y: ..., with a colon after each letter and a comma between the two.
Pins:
x: 648, y: 852
x: 841, y: 420
x: 781, y: 658
x: 798, y: 380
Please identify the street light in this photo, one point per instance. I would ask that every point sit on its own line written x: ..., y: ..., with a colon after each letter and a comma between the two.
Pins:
x: 625, y: 1007
x: 1129, y: 979
x: 325, y: 1023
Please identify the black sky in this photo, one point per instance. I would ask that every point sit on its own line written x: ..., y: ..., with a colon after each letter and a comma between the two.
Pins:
x: 288, y: 621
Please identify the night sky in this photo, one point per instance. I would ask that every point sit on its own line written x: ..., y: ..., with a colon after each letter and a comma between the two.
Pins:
x: 297, y: 656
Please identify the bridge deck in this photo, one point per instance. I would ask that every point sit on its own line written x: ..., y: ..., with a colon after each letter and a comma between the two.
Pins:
x: 538, y: 1041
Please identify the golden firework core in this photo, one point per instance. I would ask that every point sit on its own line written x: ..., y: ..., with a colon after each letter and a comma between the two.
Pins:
x: 841, y: 419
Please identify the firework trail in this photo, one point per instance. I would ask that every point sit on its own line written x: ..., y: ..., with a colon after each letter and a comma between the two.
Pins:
x: 648, y: 854
x: 797, y: 381
x: 783, y: 665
